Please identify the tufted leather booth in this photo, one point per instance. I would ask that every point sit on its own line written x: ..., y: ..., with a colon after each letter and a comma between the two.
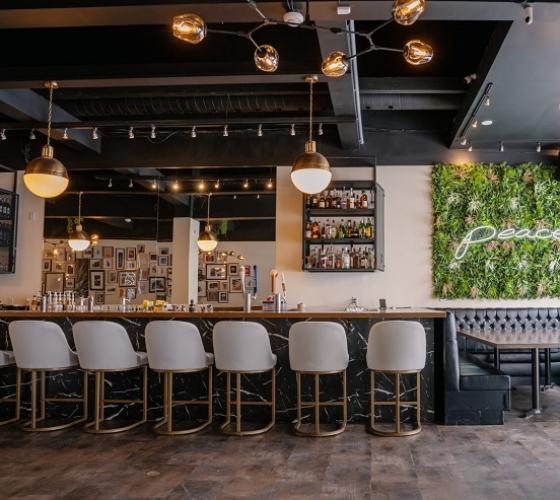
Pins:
x: 508, y: 319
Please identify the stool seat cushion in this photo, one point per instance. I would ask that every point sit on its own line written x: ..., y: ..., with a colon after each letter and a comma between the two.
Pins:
x: 6, y: 358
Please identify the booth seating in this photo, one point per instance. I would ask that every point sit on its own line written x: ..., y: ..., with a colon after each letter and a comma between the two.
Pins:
x: 475, y: 393
x: 7, y: 360
x: 516, y: 363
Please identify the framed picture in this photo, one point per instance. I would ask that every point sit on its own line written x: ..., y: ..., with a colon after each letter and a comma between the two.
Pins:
x: 247, y: 269
x: 233, y: 269
x: 108, y: 263
x: 143, y: 260
x: 111, y: 277
x: 250, y: 283
x: 119, y: 258
x: 153, y: 257
x: 59, y: 267
x: 223, y: 285
x: 131, y: 253
x: 54, y: 282
x: 97, y: 280
x: 107, y: 252
x: 59, y: 253
x: 161, y: 271
x: 141, y: 248
x: 87, y: 254
x: 212, y: 296
x: 216, y: 271
x: 222, y: 297
x: 153, y: 270
x: 130, y: 265
x: 163, y: 260
x: 142, y: 274
x: 202, y: 288
x: 235, y: 285
x: 213, y: 286
x: 209, y: 258
x: 99, y: 298
x: 127, y: 278
x: 69, y: 283
x: 130, y: 293
x: 97, y: 252
x: 111, y: 290
x: 96, y: 264
x: 70, y: 268
x: 164, y: 251
x: 156, y: 284
x: 47, y: 265
x: 142, y: 287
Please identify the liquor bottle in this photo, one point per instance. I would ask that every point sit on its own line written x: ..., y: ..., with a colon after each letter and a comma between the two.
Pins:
x: 314, y: 201
x: 323, y: 230
x: 364, y: 200
x: 329, y: 200
x: 368, y: 230
x: 355, y: 233
x: 315, y: 230
x: 322, y: 201
x: 336, y: 200
x: 345, y: 258
x: 308, y: 230
x: 344, y: 199
x: 364, y: 260
x: 351, y: 199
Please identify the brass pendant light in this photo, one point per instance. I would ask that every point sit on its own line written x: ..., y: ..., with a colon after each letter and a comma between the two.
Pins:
x: 407, y: 12
x: 190, y: 28
x: 45, y: 176
x: 311, y: 172
x: 78, y: 240
x: 207, y: 240
x: 417, y: 52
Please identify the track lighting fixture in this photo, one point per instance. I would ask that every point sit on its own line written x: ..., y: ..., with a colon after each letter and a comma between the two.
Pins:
x: 192, y: 29
x: 130, y: 184
x: 470, y: 78
x: 246, y: 184
x: 527, y: 13
x: 153, y: 132
x: 110, y: 184
x: 193, y: 132
x: 293, y: 129
x: 131, y: 133
x: 260, y: 131
x: 201, y: 185
x: 32, y: 135
x: 65, y: 134
x: 501, y: 147
x: 3, y: 134
x: 463, y: 141
x: 539, y: 148
x: 320, y: 129
x: 45, y: 176
x: 226, y: 132
x: 94, y: 134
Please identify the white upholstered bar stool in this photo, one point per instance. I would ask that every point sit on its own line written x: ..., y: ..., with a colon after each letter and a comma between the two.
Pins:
x: 7, y: 360
x: 243, y: 348
x: 104, y: 346
x: 40, y: 347
x: 176, y: 347
x: 318, y: 348
x: 398, y: 348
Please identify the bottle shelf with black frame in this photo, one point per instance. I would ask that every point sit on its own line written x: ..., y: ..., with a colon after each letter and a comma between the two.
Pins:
x: 369, y: 246
x: 8, y: 231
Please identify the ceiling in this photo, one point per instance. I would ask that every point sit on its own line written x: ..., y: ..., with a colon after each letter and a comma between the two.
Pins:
x: 119, y: 67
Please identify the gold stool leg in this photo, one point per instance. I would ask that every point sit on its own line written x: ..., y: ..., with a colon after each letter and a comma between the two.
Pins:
x: 18, y: 394
x: 345, y: 400
x: 273, y: 397
x: 298, y: 402
x: 317, y: 405
x: 210, y: 396
x: 398, y: 405
x: 43, y: 395
x: 238, y: 402
x: 169, y: 397
x: 372, y: 399
x: 418, y: 417
x: 33, y: 400
x: 98, y: 401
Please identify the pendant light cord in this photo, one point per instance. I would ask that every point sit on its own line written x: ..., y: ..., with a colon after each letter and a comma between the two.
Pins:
x: 311, y: 111
x: 80, y: 207
x: 49, y: 118
x: 208, y: 211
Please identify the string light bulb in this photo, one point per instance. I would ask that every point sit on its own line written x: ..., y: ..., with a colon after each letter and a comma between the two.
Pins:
x: 226, y: 132
x: 193, y: 132
x: 154, y: 184
x: 94, y: 134
x: 201, y: 185
x: 175, y: 185
x: 245, y: 184
x: 260, y: 131
x: 266, y: 58
x: 269, y: 184
x: 293, y: 129
x: 335, y: 64
x: 131, y: 133
x: 258, y: 197
x: 474, y: 123
x: 190, y: 28
x: 217, y: 184
x: 153, y: 132
x: 3, y: 134
x: 417, y: 52
x: 407, y: 12
x: 32, y: 135
x: 65, y: 134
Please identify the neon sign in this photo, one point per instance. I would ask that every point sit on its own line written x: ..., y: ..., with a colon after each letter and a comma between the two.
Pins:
x: 483, y: 234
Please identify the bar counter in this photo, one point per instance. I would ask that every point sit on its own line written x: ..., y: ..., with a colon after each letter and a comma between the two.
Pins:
x: 192, y: 386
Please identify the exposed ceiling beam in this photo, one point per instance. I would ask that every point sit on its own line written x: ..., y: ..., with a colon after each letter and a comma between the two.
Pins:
x: 27, y: 106
x: 344, y: 91
x: 240, y: 12
x: 412, y: 85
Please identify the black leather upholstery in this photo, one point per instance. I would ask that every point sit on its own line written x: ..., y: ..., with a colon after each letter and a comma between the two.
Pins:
x: 507, y: 319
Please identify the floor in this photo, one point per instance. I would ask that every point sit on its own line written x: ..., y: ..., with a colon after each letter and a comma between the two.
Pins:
x: 518, y: 460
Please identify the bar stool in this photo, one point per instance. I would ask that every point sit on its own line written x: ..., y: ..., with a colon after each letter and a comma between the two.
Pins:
x: 7, y: 360
x: 398, y: 348
x: 318, y: 348
x: 104, y: 346
x: 242, y: 348
x: 176, y: 347
x: 40, y: 347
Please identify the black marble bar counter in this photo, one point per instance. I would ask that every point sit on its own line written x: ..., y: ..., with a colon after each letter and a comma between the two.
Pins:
x: 192, y: 386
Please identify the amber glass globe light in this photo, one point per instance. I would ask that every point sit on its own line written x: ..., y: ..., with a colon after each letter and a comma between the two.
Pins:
x: 266, y: 58
x: 417, y: 52
x: 335, y: 64
x: 190, y: 28
x: 407, y: 12
x: 207, y: 241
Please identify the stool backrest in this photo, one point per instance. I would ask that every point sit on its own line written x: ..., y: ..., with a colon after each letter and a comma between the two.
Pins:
x: 242, y: 346
x: 318, y: 346
x: 40, y: 345
x: 174, y: 345
x: 103, y: 345
x: 396, y: 346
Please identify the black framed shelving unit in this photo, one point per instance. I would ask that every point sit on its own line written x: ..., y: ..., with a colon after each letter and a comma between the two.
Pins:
x: 8, y: 231
x: 344, y: 240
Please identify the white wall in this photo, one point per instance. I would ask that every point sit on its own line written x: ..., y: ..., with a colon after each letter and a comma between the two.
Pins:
x: 408, y: 231
x: 27, y: 279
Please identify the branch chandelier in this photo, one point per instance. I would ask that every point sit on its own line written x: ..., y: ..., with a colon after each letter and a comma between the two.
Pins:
x: 192, y: 29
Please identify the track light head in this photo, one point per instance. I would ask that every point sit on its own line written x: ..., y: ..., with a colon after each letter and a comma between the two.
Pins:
x: 94, y: 134
x: 293, y: 129
x: 501, y: 147
x: 131, y: 133
x: 470, y: 148
x: 65, y: 134
x: 32, y: 136
x: 153, y: 132
x: 193, y: 132
x: 110, y: 183
x: 320, y: 129
x: 226, y: 132
x: 130, y: 184
x: 463, y: 141
x: 527, y: 13
x: 474, y: 123
x: 3, y: 134
x: 260, y: 131
x: 539, y: 147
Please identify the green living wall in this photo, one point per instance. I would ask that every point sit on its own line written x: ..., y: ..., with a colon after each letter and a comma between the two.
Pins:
x: 521, y: 258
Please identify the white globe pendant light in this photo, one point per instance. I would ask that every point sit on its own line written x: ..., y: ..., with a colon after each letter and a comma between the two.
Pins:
x: 207, y: 240
x: 78, y: 239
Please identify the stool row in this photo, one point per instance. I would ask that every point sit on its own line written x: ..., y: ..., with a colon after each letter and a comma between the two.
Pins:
x: 240, y: 348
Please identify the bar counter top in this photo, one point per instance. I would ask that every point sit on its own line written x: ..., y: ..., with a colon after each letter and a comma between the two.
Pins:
x: 402, y: 313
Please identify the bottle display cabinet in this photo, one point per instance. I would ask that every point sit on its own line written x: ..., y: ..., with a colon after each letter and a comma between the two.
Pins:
x: 343, y: 228
x: 8, y: 231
